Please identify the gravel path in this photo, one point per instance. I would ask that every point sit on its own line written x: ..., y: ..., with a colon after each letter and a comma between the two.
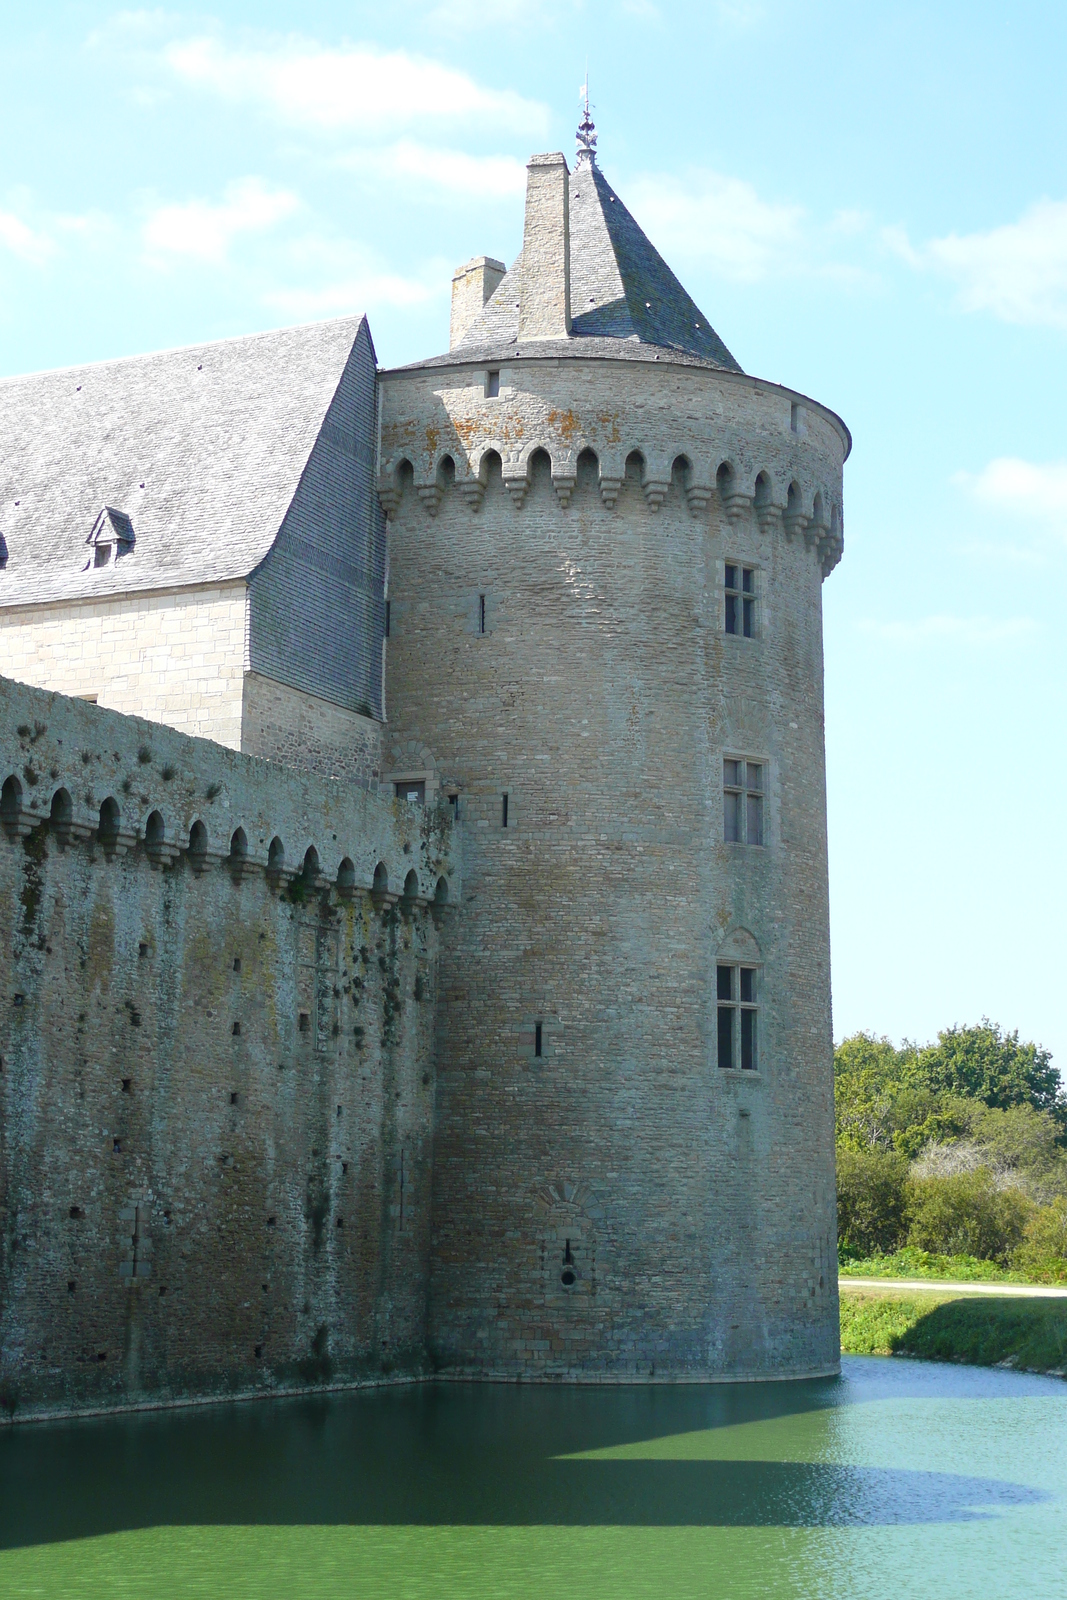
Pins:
x: 1042, y: 1290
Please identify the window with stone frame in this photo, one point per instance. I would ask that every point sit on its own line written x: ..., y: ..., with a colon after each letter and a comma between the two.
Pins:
x: 737, y: 1016
x: 741, y: 614
x: 743, y: 789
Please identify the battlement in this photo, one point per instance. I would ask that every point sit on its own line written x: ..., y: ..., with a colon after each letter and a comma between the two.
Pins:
x: 728, y: 443
x: 117, y: 783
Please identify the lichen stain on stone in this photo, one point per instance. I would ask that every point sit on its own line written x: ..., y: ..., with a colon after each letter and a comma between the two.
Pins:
x: 565, y: 423
x: 100, y: 947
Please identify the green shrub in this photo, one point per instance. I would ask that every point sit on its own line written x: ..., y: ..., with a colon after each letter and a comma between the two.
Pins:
x: 1043, y: 1251
x: 871, y: 1201
x: 966, y: 1215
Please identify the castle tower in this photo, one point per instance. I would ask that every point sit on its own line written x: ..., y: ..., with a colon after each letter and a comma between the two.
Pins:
x: 606, y: 546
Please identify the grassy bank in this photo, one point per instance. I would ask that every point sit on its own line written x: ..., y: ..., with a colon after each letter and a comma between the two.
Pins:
x: 911, y: 1263
x: 984, y: 1331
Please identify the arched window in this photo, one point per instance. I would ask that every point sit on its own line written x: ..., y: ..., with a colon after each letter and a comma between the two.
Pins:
x: 275, y: 857
x: 411, y: 885
x: 440, y: 897
x: 738, y: 967
x: 381, y: 879
x: 198, y: 844
x: 61, y: 815
x: 154, y: 831
x: 310, y: 869
x: 346, y: 877
x: 11, y: 803
x: 588, y: 470
x: 238, y: 846
x: 110, y: 817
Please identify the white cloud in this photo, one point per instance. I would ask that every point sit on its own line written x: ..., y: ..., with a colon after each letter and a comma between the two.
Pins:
x: 1017, y: 271
x: 360, y: 293
x: 722, y: 221
x: 968, y: 631
x: 316, y: 275
x: 357, y: 87
x: 439, y: 171
x: 205, y: 232
x: 1021, y: 488
x: 22, y: 240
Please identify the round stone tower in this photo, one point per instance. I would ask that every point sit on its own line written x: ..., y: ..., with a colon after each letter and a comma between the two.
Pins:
x: 607, y: 545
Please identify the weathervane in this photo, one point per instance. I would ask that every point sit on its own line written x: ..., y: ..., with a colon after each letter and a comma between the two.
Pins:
x: 586, y: 135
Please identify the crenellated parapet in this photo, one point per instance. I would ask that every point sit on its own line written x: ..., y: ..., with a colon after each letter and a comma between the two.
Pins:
x: 736, y: 448
x: 116, y: 784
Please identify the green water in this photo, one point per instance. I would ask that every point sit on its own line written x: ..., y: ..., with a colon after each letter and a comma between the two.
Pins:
x: 899, y: 1479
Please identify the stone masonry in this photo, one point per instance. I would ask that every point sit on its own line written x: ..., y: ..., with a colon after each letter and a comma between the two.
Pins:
x: 609, y: 1203
x: 285, y: 1097
x: 216, y: 1066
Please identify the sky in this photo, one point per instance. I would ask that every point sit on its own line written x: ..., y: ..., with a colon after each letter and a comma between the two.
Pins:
x: 868, y: 202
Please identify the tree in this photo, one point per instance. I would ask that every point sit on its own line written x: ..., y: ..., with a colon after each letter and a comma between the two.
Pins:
x: 871, y: 1201
x: 988, y: 1065
x: 966, y: 1215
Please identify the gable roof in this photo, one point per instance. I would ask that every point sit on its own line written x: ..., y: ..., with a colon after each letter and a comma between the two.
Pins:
x: 200, y: 448
x: 621, y: 288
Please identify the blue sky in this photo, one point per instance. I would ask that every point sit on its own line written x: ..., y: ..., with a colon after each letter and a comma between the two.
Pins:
x: 870, y: 204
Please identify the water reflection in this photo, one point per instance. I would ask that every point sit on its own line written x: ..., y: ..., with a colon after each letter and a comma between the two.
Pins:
x: 460, y: 1455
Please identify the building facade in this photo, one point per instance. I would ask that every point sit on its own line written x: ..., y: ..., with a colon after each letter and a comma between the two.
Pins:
x: 583, y: 656
x: 611, y: 543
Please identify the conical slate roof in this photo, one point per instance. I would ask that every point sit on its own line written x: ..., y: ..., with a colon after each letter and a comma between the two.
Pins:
x: 621, y: 288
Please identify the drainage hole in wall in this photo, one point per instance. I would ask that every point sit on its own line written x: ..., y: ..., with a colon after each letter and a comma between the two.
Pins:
x: 339, y: 1110
x: 259, y: 1351
x: 272, y: 1222
x: 344, y: 1168
x: 162, y: 1288
x: 76, y: 1213
x: 265, y: 1287
x: 340, y: 1222
x: 101, y: 1355
x: 116, y: 1147
x: 425, y: 1079
x: 233, y: 1099
x: 142, y: 950
x: 71, y: 1286
x: 305, y: 1021
x: 568, y: 1277
x: 126, y: 1085
x: 236, y: 963
x: 236, y: 1029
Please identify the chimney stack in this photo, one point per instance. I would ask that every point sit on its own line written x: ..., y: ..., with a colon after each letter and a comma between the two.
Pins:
x: 472, y: 286
x: 545, y: 307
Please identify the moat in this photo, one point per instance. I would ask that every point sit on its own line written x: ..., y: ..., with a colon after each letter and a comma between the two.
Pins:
x: 900, y: 1478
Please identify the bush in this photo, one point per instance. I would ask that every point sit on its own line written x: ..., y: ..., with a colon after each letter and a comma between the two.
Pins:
x: 871, y: 1201
x: 1043, y: 1251
x: 966, y: 1215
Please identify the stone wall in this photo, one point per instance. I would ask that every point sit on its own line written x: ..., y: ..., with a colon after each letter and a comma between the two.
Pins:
x: 616, y: 1206
x: 308, y: 734
x: 216, y: 1066
x: 176, y: 657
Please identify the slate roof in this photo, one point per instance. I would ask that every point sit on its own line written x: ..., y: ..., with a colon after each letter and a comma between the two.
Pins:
x: 202, y: 448
x: 621, y: 290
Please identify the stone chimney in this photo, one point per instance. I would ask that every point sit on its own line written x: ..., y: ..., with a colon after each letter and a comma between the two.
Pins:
x: 472, y: 286
x: 545, y: 307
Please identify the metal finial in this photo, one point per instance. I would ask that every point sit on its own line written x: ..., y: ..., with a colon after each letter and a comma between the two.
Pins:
x: 586, y: 135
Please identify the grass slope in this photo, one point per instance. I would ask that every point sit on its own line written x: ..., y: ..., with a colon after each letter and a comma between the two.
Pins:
x: 985, y: 1331
x: 912, y: 1263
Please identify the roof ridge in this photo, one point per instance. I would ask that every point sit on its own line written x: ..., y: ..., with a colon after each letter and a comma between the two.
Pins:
x: 355, y: 317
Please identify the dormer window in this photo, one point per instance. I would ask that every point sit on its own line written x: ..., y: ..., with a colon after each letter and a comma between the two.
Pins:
x: 112, y: 535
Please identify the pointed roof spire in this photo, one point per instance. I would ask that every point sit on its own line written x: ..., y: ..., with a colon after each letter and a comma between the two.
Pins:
x: 586, y: 135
